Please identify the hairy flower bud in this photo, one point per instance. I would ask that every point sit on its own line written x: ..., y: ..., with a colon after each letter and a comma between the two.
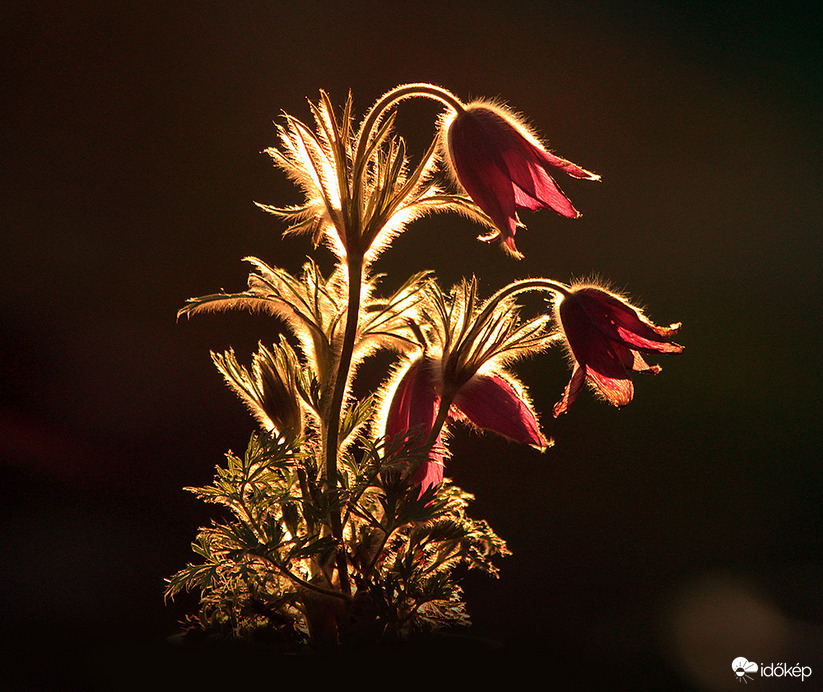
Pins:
x: 269, y: 390
x: 279, y: 398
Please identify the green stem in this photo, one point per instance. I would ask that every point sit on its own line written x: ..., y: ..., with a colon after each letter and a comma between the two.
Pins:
x: 297, y: 580
x: 355, y: 271
x: 390, y: 526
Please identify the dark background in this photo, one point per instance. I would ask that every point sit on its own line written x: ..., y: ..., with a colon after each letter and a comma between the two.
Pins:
x: 651, y: 545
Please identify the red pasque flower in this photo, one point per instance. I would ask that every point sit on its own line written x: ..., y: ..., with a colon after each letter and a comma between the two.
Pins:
x: 606, y: 337
x: 503, y: 167
x: 491, y: 402
x: 413, y: 411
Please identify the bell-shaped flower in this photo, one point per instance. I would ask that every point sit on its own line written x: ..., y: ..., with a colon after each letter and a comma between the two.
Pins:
x: 493, y: 402
x: 413, y: 412
x: 606, y: 336
x: 503, y: 167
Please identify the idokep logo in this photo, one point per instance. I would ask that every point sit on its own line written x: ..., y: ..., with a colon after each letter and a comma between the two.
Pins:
x: 746, y: 670
x: 743, y: 669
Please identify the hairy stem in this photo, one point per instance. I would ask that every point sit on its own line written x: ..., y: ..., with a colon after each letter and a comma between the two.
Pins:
x: 513, y: 289
x: 355, y: 271
x: 379, y: 109
x: 286, y: 572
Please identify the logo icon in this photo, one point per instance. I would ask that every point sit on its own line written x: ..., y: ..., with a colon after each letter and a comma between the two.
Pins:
x: 742, y: 668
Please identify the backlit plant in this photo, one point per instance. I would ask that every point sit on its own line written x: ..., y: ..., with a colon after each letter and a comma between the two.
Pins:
x: 339, y: 525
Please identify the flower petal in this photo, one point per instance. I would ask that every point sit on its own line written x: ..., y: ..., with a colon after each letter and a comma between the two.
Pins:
x: 573, y: 388
x: 482, y: 171
x: 414, y: 403
x: 617, y: 390
x: 430, y: 471
x: 568, y: 167
x: 503, y: 167
x: 619, y: 320
x: 546, y: 194
x: 534, y: 188
x: 412, y: 412
x: 606, y: 336
x: 491, y: 403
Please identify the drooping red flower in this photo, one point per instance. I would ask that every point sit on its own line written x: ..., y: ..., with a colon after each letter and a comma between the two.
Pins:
x: 413, y: 412
x: 503, y: 167
x: 490, y: 402
x: 606, y: 336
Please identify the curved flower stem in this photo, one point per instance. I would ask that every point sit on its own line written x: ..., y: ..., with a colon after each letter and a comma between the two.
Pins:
x: 372, y: 120
x: 513, y: 289
x: 355, y: 273
x: 531, y: 285
x: 399, y: 93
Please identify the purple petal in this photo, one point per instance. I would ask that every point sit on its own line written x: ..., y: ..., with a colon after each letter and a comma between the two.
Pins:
x: 606, y: 336
x: 481, y: 170
x: 618, y: 390
x: 572, y: 169
x: 503, y: 168
x: 414, y: 404
x: 534, y: 188
x: 550, y: 196
x: 430, y: 471
x: 603, y: 360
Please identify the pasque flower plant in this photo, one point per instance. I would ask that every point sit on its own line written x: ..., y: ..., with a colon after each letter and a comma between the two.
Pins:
x: 340, y: 525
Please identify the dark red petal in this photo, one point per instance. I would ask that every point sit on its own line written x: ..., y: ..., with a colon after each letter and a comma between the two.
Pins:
x: 604, y: 360
x: 534, y: 188
x: 640, y: 365
x: 608, y: 367
x: 566, y: 166
x: 481, y: 170
x: 620, y: 321
x: 491, y: 403
x: 413, y: 411
x: 430, y: 471
x: 635, y: 340
x: 414, y: 404
x: 546, y: 193
x: 573, y: 388
x: 618, y: 390
x: 588, y: 342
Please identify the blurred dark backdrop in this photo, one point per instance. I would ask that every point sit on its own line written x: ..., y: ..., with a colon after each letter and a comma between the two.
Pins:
x: 651, y: 545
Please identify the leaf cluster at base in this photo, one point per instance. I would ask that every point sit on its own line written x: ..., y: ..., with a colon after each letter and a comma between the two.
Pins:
x: 265, y: 572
